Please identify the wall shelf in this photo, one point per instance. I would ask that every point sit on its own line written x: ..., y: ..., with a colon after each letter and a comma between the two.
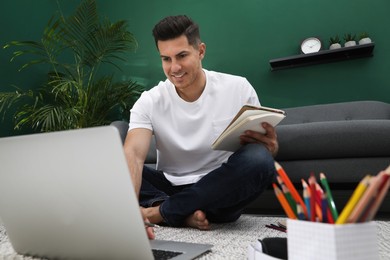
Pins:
x: 325, y: 56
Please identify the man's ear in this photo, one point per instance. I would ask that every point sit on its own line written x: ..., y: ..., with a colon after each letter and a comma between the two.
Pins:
x: 202, y: 50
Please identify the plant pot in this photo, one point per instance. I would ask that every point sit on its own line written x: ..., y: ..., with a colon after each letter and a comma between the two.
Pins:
x: 350, y: 44
x: 364, y: 41
x: 335, y: 46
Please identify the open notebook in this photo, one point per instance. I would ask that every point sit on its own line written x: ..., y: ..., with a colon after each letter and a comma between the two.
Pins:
x: 69, y: 195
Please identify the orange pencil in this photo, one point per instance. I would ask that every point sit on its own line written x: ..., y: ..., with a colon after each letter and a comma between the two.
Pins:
x: 283, y: 201
x: 290, y: 186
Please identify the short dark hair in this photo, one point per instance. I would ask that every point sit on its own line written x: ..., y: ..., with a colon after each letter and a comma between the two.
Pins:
x: 172, y: 27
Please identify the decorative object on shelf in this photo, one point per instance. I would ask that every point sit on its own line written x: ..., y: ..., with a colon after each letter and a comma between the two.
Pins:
x: 311, y: 45
x: 334, y: 42
x: 364, y: 38
x: 350, y: 40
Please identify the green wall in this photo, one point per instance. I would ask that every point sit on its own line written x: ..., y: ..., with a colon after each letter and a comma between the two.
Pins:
x: 241, y: 38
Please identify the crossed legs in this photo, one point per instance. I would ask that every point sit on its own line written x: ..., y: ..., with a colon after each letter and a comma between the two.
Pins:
x: 220, y: 196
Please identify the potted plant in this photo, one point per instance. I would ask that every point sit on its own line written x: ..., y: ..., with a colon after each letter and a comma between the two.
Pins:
x: 334, y: 43
x: 75, y: 94
x: 364, y: 38
x: 350, y: 40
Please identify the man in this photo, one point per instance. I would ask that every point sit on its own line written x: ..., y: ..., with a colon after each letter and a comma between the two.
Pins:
x: 193, y: 184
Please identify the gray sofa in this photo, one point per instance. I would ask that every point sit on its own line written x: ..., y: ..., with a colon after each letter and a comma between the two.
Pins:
x: 345, y: 141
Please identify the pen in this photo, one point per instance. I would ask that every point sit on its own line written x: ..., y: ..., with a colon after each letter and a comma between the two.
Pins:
x: 276, y: 228
x: 148, y: 224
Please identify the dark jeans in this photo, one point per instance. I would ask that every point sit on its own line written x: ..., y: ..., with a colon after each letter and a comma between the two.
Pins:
x: 222, y: 194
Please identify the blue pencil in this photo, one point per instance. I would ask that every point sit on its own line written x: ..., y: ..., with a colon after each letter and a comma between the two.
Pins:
x: 306, y: 196
x: 324, y: 206
x: 301, y: 215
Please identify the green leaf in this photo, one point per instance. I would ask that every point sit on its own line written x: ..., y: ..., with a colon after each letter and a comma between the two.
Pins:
x: 75, y: 93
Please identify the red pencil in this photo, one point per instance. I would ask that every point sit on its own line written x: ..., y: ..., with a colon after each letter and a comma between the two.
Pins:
x: 313, y: 195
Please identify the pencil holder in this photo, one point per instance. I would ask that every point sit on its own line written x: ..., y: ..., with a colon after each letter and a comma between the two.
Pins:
x: 316, y: 241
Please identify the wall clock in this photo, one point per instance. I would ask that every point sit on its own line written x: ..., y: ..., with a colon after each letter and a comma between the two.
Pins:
x: 311, y: 45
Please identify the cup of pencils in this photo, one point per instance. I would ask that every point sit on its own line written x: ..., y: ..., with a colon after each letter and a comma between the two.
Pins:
x: 315, y: 227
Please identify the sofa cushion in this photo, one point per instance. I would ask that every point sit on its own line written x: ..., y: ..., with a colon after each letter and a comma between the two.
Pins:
x: 345, y: 111
x: 334, y: 139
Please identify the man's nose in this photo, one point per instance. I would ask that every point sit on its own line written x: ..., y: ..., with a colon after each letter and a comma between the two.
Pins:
x: 175, y: 66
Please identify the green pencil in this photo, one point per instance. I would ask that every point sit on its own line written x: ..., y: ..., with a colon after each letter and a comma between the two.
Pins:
x: 290, y: 199
x: 329, y: 197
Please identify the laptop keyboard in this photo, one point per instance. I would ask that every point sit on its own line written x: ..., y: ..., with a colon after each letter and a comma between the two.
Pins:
x: 162, y: 254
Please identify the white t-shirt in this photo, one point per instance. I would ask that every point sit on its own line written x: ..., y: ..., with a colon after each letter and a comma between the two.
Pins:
x: 184, y: 131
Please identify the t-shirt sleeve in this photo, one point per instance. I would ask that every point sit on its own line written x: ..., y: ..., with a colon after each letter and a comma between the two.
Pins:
x: 250, y: 94
x: 141, y: 113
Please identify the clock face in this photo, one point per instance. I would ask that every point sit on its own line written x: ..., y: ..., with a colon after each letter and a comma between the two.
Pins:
x: 311, y: 45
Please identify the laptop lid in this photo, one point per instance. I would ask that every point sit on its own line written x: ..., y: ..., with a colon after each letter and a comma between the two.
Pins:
x: 69, y: 194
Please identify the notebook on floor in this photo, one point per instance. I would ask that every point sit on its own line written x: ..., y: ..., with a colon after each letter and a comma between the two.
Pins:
x: 69, y: 195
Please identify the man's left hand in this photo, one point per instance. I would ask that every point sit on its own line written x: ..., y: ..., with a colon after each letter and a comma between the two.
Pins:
x: 269, y: 138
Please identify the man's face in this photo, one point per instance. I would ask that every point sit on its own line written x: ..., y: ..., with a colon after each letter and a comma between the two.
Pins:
x: 181, y: 62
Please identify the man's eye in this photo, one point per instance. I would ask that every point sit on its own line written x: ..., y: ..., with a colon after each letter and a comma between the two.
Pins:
x: 165, y: 59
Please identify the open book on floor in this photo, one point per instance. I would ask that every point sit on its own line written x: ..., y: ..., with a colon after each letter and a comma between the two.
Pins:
x: 248, y: 118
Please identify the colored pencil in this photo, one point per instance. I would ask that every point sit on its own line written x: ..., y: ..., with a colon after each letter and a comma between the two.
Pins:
x: 282, y: 200
x: 306, y: 197
x: 383, y: 189
x: 290, y: 186
x: 280, y: 180
x: 331, y: 204
x: 300, y: 214
x: 313, y: 195
x: 324, y: 208
x: 366, y: 201
x: 289, y: 198
x: 356, y: 195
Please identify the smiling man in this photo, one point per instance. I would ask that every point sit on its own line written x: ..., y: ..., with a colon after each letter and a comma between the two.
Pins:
x: 194, y: 185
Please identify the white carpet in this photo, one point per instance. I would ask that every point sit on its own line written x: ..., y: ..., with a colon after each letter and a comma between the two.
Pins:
x: 230, y: 240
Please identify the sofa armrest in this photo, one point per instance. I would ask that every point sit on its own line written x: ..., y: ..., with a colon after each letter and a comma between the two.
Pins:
x: 123, y: 127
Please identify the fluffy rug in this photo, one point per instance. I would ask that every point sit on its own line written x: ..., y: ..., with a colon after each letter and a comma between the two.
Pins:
x: 230, y: 240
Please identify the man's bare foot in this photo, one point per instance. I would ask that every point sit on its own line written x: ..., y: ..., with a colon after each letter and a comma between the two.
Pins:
x: 198, y: 220
x: 152, y: 214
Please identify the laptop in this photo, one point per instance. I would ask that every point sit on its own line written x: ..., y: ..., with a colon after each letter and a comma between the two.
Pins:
x: 69, y: 194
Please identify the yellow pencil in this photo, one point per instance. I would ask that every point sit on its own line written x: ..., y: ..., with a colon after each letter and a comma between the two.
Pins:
x: 357, y: 194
